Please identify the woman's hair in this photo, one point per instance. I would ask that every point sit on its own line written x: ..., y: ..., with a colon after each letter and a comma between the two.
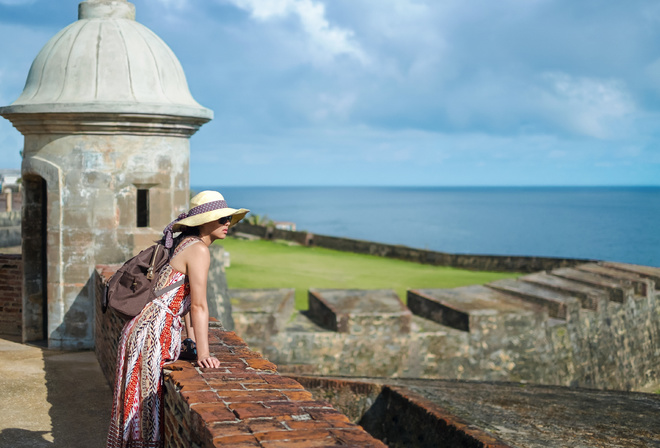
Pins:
x: 185, y: 232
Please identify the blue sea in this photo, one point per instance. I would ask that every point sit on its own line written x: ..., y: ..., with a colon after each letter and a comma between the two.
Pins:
x: 604, y: 223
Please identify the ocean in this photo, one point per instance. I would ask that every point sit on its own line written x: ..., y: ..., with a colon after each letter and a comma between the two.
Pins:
x: 604, y: 223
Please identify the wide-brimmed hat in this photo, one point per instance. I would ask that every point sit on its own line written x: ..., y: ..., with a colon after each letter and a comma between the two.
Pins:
x: 205, y: 207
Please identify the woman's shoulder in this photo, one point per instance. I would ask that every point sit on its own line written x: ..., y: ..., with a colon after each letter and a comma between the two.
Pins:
x: 190, y: 242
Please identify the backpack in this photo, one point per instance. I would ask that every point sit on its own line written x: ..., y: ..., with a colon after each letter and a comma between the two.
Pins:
x: 131, y: 288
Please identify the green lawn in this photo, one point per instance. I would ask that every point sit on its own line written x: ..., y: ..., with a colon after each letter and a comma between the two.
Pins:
x: 268, y: 264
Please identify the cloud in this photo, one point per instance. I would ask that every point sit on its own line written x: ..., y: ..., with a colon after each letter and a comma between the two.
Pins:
x: 590, y: 106
x: 327, y: 41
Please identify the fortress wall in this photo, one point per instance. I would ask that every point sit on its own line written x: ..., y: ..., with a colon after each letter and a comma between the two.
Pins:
x: 464, y: 261
x: 616, y: 347
x: 11, y: 294
x: 10, y: 228
x: 243, y: 403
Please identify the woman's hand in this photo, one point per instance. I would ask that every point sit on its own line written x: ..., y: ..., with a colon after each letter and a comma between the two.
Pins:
x: 209, y: 362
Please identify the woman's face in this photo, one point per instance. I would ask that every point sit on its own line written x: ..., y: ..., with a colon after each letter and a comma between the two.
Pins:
x: 218, y: 229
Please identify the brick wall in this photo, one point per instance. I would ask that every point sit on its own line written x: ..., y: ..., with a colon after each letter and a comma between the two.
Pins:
x: 11, y: 295
x: 244, y: 403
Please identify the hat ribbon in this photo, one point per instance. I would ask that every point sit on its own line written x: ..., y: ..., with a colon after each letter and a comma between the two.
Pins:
x: 208, y: 207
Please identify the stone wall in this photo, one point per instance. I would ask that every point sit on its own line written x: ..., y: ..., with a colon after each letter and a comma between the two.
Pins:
x: 11, y: 296
x: 463, y: 261
x: 540, y: 328
x: 244, y: 403
x: 10, y: 228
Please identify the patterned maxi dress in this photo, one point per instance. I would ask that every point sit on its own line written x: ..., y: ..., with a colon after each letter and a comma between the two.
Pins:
x: 148, y: 341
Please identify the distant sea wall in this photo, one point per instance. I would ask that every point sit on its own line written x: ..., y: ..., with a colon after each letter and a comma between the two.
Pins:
x: 496, y: 263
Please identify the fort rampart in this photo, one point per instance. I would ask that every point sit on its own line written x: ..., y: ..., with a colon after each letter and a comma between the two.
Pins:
x: 244, y: 403
x: 463, y: 261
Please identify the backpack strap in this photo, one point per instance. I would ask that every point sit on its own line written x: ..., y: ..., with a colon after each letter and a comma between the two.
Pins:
x: 174, y: 285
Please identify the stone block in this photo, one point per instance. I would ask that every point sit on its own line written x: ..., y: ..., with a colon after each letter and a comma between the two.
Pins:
x: 557, y: 303
x: 259, y: 314
x: 461, y: 308
x: 357, y: 311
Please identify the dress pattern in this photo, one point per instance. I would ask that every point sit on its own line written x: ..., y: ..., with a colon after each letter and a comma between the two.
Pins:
x: 148, y: 341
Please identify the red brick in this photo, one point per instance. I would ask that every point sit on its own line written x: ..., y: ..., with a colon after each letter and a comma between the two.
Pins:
x: 220, y: 384
x: 192, y: 397
x: 327, y: 415
x: 236, y: 440
x: 261, y: 364
x: 179, y: 376
x: 195, y: 385
x: 281, y: 380
x: 302, y: 434
x: 257, y: 410
x: 250, y: 396
x: 230, y: 338
x: 213, y: 412
x: 309, y: 424
x: 243, y: 352
x: 257, y: 426
x: 357, y: 436
x: 325, y: 442
x: 227, y: 377
x: 265, y: 386
x: 224, y: 429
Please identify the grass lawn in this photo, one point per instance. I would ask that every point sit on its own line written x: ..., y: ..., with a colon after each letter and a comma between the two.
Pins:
x: 273, y: 264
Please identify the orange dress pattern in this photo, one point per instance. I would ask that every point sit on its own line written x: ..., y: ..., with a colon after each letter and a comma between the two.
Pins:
x: 148, y: 341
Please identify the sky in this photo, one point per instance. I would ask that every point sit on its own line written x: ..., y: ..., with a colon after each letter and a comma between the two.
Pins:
x: 396, y: 92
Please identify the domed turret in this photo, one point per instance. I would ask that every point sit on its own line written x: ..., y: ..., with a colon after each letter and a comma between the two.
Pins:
x: 107, y: 115
x: 107, y: 62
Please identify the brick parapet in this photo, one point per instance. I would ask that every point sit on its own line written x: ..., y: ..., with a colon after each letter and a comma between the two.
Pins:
x: 244, y: 403
x: 11, y: 294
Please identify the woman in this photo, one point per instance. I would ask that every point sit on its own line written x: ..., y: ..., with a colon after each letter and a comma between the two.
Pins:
x: 153, y: 338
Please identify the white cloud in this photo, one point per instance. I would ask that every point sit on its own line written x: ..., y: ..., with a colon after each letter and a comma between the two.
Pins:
x: 327, y: 40
x: 590, y: 105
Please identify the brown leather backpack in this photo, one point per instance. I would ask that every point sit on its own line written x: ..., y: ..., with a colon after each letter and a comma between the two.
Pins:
x: 131, y: 288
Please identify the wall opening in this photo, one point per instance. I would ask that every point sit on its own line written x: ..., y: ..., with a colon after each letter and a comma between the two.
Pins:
x: 142, y: 204
x: 35, y: 260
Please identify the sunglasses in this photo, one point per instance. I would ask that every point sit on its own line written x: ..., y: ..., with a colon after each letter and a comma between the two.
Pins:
x: 225, y: 220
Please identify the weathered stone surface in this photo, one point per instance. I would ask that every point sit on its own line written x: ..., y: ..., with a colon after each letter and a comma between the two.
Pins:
x: 420, y: 413
x: 455, y: 307
x: 482, y: 333
x: 557, y: 303
x: 356, y: 311
x: 261, y: 313
x: 618, y: 289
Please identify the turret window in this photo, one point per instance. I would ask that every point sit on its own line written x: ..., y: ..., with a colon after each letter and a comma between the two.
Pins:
x: 143, y: 208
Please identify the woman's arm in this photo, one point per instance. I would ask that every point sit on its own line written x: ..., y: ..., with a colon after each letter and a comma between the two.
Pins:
x: 190, y: 332
x: 198, y: 260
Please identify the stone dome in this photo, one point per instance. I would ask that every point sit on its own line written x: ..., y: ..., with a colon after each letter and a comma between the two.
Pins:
x: 106, y: 62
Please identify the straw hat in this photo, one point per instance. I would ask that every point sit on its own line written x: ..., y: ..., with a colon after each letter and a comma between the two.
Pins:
x: 205, y: 207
